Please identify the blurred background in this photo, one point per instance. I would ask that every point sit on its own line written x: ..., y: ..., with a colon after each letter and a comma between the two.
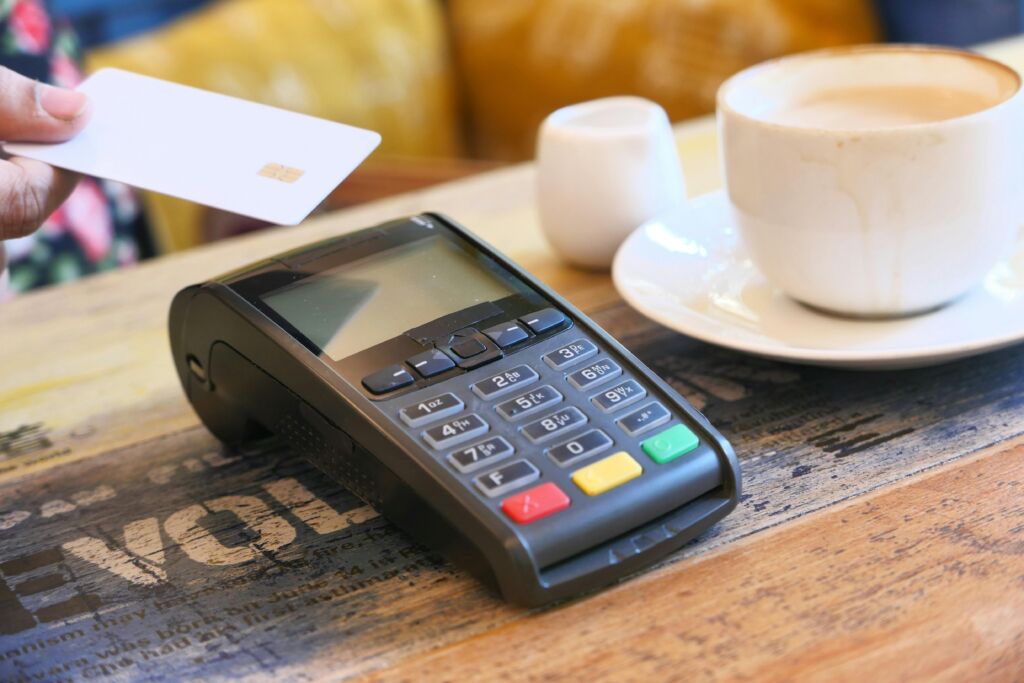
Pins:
x: 455, y: 87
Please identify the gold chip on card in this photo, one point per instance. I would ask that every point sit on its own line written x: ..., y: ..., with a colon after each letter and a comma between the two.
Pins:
x: 286, y: 174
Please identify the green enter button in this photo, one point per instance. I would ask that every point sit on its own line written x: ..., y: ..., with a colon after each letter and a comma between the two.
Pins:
x: 670, y: 444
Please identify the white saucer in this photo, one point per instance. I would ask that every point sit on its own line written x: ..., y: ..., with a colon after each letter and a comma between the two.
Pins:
x: 689, y: 272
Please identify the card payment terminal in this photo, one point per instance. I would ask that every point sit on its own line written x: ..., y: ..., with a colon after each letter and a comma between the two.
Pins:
x: 466, y: 401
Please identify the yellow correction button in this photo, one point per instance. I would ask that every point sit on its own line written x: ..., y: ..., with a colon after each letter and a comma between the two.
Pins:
x: 606, y: 474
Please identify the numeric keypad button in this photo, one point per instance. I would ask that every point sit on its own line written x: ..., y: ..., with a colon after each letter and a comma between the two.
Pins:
x: 595, y: 373
x: 648, y: 417
x: 621, y: 395
x: 430, y: 409
x: 455, y: 431
x: 573, y: 352
x: 528, y: 403
x: 583, y: 446
x: 553, y: 425
x: 504, y: 479
x: 481, y: 454
x: 505, y: 382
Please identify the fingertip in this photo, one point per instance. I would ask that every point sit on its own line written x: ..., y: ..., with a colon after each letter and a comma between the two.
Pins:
x: 61, y: 103
x: 67, y: 111
x: 31, y: 111
x: 81, y: 120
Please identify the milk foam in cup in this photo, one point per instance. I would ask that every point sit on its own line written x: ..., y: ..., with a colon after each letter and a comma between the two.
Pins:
x: 875, y: 180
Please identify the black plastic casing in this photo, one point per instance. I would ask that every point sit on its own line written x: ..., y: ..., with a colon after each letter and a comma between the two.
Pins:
x: 247, y: 376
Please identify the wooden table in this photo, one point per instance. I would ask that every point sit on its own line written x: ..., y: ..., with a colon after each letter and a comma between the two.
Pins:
x: 880, y: 536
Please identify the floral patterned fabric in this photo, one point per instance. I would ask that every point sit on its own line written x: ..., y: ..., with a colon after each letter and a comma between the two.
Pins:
x: 95, y: 229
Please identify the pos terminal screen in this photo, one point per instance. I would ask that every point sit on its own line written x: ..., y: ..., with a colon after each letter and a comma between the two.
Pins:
x: 352, y: 307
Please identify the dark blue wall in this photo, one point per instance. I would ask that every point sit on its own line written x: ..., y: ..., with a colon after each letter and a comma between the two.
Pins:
x: 100, y: 21
x: 950, y: 22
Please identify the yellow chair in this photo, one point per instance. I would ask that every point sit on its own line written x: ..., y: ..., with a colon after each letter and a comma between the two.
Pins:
x: 520, y: 60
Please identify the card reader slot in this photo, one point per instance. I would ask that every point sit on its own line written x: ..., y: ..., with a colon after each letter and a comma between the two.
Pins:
x: 638, y: 547
x: 659, y: 490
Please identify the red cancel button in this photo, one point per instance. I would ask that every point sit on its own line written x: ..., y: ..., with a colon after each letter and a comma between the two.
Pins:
x: 535, y: 503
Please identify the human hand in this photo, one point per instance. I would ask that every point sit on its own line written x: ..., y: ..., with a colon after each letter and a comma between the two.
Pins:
x: 33, y: 112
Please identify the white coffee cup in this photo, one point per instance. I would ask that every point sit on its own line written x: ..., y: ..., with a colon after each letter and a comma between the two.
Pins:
x: 603, y: 168
x: 875, y: 180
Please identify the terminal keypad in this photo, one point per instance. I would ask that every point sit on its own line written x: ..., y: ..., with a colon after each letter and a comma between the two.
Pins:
x: 537, y: 435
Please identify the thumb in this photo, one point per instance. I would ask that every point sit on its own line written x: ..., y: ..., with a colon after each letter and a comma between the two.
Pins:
x: 34, y: 112
x: 29, y: 192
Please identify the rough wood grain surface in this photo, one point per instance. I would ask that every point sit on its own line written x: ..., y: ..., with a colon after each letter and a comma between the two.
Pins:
x: 133, y: 548
x: 171, y: 559
x: 921, y: 582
